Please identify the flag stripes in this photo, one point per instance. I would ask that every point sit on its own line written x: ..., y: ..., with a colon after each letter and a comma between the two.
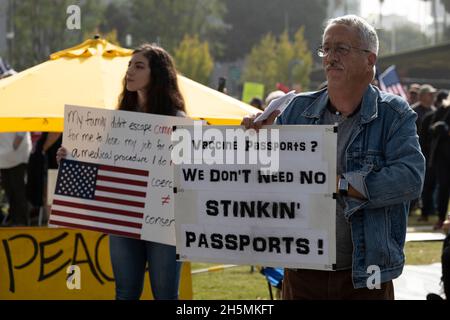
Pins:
x: 101, y: 198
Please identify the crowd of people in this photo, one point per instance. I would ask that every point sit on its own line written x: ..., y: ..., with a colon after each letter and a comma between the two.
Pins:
x: 25, y: 158
x: 433, y: 121
x: 433, y: 127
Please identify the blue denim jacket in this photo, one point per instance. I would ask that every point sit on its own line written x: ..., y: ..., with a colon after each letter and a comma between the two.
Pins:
x: 384, y: 152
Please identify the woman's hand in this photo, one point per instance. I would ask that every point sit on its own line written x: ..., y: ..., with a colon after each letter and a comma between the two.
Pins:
x: 61, y: 154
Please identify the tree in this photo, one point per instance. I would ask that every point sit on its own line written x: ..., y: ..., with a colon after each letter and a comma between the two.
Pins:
x: 40, y: 29
x: 302, y: 53
x: 166, y: 21
x: 281, y: 60
x: 261, y: 63
x: 193, y: 59
x: 110, y: 36
x: 248, y: 20
x: 118, y: 19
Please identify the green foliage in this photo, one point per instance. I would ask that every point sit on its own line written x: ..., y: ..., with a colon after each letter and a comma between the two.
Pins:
x: 281, y: 60
x: 231, y: 27
x: 236, y: 283
x: 193, y: 59
x: 117, y: 19
x: 418, y: 252
x: 40, y: 29
x: 261, y: 64
x: 248, y: 20
x: 166, y: 21
x: 110, y: 36
x: 302, y: 53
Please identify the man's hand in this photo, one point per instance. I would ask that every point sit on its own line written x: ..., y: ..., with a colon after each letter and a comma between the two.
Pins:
x: 249, y: 123
x: 352, y: 192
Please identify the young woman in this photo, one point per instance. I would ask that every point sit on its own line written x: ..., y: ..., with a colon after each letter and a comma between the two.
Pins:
x: 150, y: 86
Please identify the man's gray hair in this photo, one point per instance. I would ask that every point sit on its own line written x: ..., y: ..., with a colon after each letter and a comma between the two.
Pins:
x: 367, y: 33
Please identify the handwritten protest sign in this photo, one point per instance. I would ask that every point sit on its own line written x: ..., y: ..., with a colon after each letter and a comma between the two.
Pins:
x: 237, y: 213
x: 118, y: 176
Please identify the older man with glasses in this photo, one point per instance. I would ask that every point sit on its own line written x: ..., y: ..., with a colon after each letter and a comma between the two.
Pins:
x: 379, y: 164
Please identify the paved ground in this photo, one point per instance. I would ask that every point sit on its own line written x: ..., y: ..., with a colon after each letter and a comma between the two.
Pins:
x: 424, y: 236
x: 417, y: 281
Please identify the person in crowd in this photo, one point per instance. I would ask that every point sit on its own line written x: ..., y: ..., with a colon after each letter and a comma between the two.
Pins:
x: 257, y: 103
x: 440, y: 97
x: 42, y: 158
x: 425, y: 105
x: 15, y: 149
x: 426, y: 139
x: 422, y: 107
x: 222, y: 87
x: 379, y: 164
x: 150, y: 86
x: 413, y: 93
x: 436, y: 134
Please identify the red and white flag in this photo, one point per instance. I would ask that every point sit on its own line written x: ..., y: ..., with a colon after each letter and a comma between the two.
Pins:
x: 99, y: 197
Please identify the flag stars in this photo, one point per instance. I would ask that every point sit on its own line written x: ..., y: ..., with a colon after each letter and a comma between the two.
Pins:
x: 77, y: 179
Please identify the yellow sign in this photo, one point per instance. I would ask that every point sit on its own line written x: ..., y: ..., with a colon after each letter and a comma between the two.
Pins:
x: 252, y: 90
x: 62, y: 264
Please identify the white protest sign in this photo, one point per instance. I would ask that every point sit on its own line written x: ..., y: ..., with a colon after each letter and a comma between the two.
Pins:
x: 118, y: 176
x: 229, y: 211
x: 270, y: 246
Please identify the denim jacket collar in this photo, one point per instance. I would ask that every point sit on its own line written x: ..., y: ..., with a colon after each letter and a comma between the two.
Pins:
x: 369, y: 108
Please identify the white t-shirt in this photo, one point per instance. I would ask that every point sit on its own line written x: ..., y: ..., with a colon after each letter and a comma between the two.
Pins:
x: 10, y: 158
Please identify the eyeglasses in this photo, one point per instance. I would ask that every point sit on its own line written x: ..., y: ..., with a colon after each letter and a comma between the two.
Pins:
x: 340, y: 49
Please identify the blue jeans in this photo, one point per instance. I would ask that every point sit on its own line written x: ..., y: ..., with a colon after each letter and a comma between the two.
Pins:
x: 129, y: 258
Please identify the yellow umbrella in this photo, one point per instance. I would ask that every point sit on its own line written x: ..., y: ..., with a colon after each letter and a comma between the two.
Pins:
x: 91, y: 74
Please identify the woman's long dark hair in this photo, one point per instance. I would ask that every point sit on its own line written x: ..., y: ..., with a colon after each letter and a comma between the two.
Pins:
x: 163, y: 94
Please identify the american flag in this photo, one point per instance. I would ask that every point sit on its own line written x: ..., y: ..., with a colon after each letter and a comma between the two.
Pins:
x: 390, y: 82
x: 99, y: 197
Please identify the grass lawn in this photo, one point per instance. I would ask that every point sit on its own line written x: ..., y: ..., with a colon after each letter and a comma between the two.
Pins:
x: 417, y: 252
x: 422, y: 252
x: 236, y: 283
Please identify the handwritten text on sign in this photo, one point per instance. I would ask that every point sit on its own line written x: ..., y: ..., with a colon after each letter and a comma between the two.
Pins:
x: 236, y: 213
x: 119, y: 176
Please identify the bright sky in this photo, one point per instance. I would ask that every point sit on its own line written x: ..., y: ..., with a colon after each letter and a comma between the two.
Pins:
x: 415, y: 10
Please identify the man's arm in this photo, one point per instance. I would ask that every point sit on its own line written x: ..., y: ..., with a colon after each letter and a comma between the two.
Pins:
x: 401, y: 178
